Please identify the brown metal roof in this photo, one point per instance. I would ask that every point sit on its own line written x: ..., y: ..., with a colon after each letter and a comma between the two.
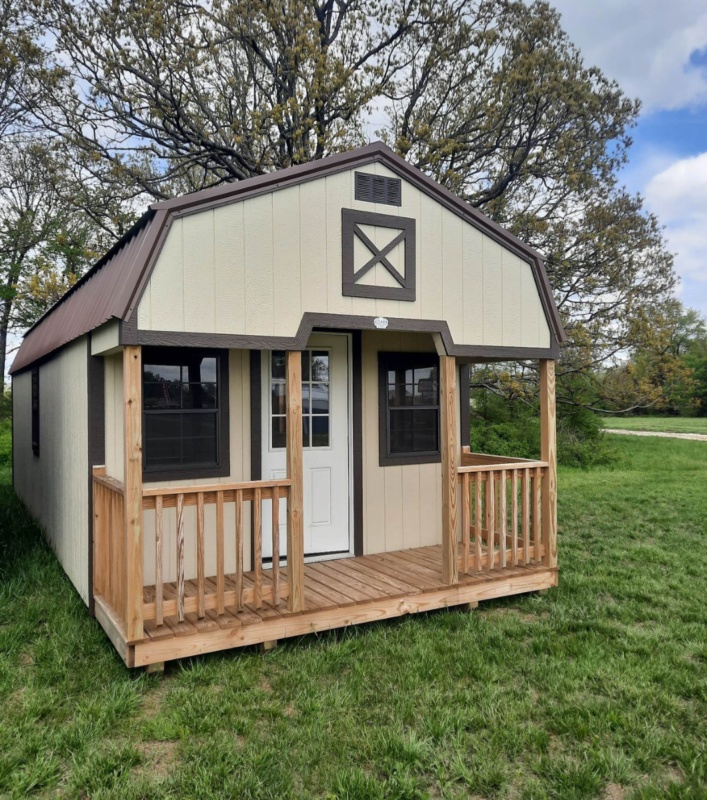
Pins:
x: 113, y: 286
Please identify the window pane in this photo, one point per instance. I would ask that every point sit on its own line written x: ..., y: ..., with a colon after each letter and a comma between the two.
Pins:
x: 305, y: 365
x: 199, y: 425
x: 199, y: 450
x: 320, y: 365
x: 401, y: 424
x: 279, y: 405
x: 208, y: 370
x: 425, y: 429
x: 163, y: 452
x: 320, y: 431
x: 400, y: 375
x: 162, y: 439
x: 426, y: 393
x: 278, y: 364
x: 305, y: 431
x: 400, y: 395
x: 425, y: 374
x: 157, y: 372
x: 161, y: 426
x: 278, y: 431
x: 305, y: 398
x: 162, y: 395
x: 320, y: 398
x: 199, y: 395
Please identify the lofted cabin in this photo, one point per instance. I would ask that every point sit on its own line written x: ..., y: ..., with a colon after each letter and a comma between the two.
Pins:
x: 249, y: 419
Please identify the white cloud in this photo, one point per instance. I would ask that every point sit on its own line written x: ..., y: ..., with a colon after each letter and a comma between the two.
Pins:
x: 678, y: 195
x: 645, y: 45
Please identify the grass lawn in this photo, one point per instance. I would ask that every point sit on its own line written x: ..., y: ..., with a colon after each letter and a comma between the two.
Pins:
x: 596, y: 689
x: 667, y: 424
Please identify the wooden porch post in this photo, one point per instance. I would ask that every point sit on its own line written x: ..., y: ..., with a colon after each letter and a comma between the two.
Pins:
x: 295, y: 500
x: 548, y: 452
x: 132, y: 434
x: 448, y: 446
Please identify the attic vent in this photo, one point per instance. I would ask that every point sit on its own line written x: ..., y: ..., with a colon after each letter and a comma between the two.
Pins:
x: 377, y: 189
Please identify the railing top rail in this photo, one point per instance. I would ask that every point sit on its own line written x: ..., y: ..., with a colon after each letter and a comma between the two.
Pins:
x: 507, y: 465
x: 214, y: 487
x: 110, y: 483
x: 470, y: 458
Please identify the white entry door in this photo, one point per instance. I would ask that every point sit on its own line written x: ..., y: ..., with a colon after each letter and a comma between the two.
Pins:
x: 325, y: 432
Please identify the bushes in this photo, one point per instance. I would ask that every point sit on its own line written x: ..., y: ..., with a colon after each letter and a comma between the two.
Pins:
x: 5, y: 442
x: 509, y: 428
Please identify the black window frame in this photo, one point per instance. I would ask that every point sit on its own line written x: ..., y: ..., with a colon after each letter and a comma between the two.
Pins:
x: 174, y: 355
x: 35, y: 410
x: 393, y: 360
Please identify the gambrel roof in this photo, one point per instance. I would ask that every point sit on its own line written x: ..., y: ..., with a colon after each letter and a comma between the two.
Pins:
x: 112, y: 288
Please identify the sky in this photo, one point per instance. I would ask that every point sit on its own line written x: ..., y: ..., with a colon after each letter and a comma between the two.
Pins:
x: 657, y: 51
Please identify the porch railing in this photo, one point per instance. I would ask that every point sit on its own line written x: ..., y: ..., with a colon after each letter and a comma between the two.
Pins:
x: 501, y: 500
x: 212, y: 592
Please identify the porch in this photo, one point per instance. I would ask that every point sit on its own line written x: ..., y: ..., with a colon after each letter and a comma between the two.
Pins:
x: 498, y: 539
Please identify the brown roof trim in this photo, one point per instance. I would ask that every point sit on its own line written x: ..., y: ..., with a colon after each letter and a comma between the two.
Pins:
x: 311, y: 320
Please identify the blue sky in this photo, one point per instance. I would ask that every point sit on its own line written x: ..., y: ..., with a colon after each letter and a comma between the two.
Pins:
x: 657, y: 51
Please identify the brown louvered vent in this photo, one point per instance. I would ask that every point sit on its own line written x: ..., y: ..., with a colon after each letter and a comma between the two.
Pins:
x: 377, y: 189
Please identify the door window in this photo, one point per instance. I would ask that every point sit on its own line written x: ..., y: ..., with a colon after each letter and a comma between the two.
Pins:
x: 316, y: 403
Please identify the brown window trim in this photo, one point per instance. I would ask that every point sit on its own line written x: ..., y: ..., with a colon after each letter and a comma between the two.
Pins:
x: 223, y: 469
x: 385, y: 360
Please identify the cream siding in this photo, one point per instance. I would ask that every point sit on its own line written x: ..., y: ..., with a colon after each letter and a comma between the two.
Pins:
x: 54, y: 485
x: 255, y: 266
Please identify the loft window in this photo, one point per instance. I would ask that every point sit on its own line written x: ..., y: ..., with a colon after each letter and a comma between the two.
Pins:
x: 316, y: 409
x: 408, y: 408
x: 35, y: 411
x: 185, y: 413
x: 378, y: 189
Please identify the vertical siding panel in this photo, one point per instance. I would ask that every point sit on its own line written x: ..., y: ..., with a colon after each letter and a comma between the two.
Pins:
x: 259, y: 267
x: 167, y: 283
x: 412, y: 534
x: 364, y: 306
x: 229, y: 269
x: 473, y: 286
x: 374, y: 488
x: 199, y: 277
x: 393, y: 477
x: 493, y: 292
x: 144, y: 310
x: 511, y: 299
x: 430, y: 476
x: 314, y: 288
x: 452, y: 273
x: 411, y: 208
x: 430, y: 259
x: 337, y: 192
x: 529, y: 307
x: 286, y: 242
x: 385, y: 308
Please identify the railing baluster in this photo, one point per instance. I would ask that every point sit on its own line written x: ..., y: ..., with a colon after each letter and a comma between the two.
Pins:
x: 257, y: 550
x: 514, y: 517
x: 537, y: 482
x: 276, y: 545
x: 490, y: 520
x: 525, y: 502
x: 503, y: 517
x: 466, y: 521
x: 239, y: 549
x: 200, y: 554
x: 180, y: 557
x: 159, y: 539
x: 220, y: 576
x: 478, y: 519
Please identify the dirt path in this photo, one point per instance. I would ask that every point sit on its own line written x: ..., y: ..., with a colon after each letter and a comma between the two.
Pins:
x: 700, y: 437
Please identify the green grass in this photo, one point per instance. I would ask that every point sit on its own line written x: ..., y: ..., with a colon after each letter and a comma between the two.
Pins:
x: 596, y: 689
x: 667, y: 424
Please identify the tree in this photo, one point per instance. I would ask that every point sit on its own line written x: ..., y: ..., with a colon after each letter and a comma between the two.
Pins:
x: 158, y: 97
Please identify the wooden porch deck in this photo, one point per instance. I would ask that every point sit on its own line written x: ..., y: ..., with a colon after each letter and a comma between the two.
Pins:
x: 337, y: 593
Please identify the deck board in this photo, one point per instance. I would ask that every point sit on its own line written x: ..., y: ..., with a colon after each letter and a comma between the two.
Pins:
x: 329, y: 586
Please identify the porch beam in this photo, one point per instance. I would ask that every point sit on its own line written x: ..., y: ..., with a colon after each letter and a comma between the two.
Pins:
x: 295, y: 500
x: 548, y: 453
x: 450, y: 457
x: 132, y: 436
